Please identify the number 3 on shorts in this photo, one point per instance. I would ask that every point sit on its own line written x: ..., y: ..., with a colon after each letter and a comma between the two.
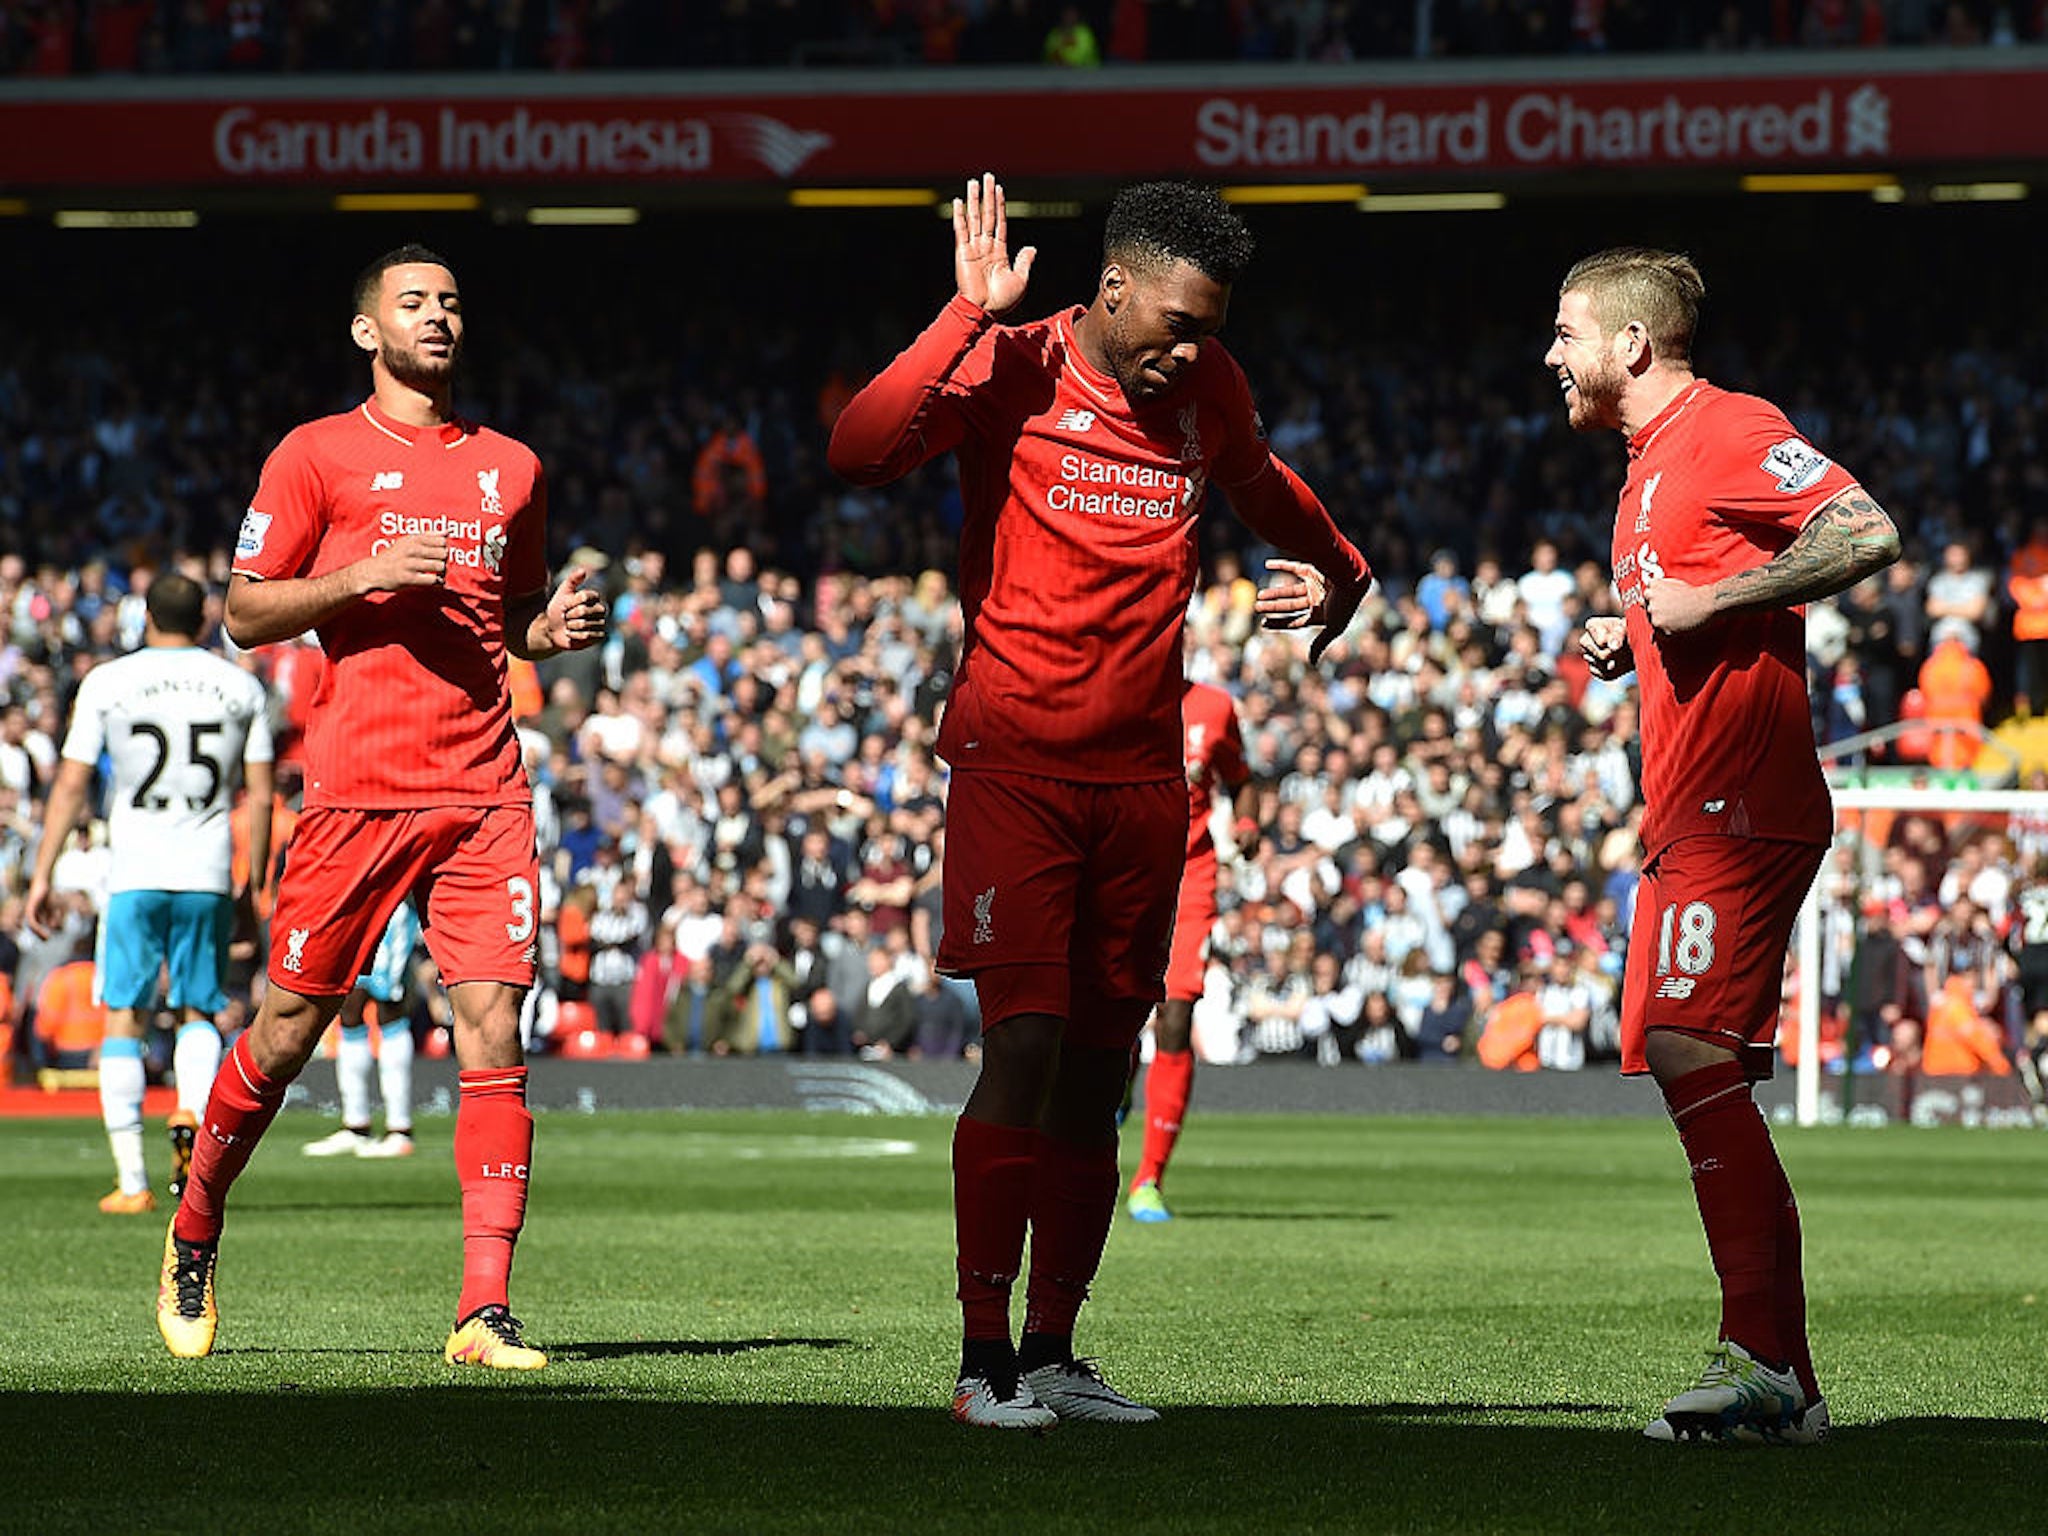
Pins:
x: 520, y: 929
x: 1694, y: 925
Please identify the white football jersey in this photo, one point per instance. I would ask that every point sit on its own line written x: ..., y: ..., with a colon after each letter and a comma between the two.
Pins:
x: 177, y: 723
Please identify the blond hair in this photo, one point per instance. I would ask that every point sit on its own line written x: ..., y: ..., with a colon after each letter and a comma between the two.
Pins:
x: 1661, y: 289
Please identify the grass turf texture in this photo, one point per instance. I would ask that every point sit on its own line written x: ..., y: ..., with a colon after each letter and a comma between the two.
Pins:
x: 1353, y: 1325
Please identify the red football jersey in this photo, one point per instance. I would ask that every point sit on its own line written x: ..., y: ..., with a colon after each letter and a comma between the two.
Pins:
x: 1213, y: 751
x: 1077, y: 553
x: 1718, y: 483
x: 412, y: 709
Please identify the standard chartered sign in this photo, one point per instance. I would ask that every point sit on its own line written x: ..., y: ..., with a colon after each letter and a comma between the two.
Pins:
x: 1541, y: 128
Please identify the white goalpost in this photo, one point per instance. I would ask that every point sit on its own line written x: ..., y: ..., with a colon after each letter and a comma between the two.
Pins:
x: 1994, y: 802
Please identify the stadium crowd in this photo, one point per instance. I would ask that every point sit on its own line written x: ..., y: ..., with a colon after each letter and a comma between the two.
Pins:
x: 77, y: 37
x: 741, y: 811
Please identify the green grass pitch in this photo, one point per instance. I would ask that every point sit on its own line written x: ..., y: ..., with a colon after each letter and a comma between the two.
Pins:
x: 1362, y: 1324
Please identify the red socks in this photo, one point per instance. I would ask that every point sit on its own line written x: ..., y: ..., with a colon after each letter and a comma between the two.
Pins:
x: 1167, y: 1082
x: 1006, y: 1177
x: 1789, y: 1297
x: 1745, y: 1205
x: 1073, y: 1202
x: 239, y: 1109
x: 493, y: 1148
x: 991, y: 1204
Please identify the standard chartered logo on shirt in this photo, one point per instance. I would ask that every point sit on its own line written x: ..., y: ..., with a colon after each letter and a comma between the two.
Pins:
x: 1123, y: 490
x: 470, y: 542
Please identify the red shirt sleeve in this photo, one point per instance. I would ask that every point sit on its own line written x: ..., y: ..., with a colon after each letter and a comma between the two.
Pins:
x: 912, y: 410
x: 1767, y: 474
x: 1227, y: 759
x: 281, y: 530
x: 1245, y: 452
x: 1282, y: 510
x: 526, y: 557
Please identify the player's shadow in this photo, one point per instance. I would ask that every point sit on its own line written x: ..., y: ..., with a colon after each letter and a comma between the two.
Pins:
x: 1332, y: 1214
x: 483, y: 1450
x: 627, y: 1349
x: 372, y: 1207
x: 1400, y: 1411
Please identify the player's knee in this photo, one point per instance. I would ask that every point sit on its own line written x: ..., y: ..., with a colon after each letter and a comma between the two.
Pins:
x: 1087, y: 1093
x: 1173, y: 1026
x: 287, y: 1028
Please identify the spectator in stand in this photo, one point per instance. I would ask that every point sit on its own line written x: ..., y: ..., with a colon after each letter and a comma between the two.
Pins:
x: 946, y: 1028
x: 1071, y: 43
x: 1275, y: 1003
x: 887, y: 1024
x: 1444, y: 1032
x: 1959, y: 597
x: 759, y: 993
x: 700, y: 1015
x: 659, y: 980
x: 1956, y: 686
x: 618, y: 935
x: 1545, y: 589
x: 2027, y: 585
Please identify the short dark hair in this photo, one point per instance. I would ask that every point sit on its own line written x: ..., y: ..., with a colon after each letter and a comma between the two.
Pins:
x: 1662, y: 289
x: 176, y: 605
x: 370, y: 281
x: 1157, y: 222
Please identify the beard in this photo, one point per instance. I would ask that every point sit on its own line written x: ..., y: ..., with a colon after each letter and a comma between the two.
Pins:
x: 416, y: 369
x: 1126, y: 365
x: 1596, y: 399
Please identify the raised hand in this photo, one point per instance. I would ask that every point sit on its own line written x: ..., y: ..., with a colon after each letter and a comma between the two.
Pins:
x: 982, y: 268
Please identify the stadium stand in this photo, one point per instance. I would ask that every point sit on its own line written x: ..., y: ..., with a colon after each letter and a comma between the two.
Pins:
x: 751, y: 754
x: 261, y: 36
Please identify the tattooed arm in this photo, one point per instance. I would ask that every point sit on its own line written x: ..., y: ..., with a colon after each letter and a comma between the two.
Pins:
x: 1841, y: 544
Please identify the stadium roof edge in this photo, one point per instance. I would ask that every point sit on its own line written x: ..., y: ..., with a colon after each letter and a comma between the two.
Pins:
x: 1558, y: 70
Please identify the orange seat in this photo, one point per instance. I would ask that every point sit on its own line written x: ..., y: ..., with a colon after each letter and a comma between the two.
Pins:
x: 573, y: 1019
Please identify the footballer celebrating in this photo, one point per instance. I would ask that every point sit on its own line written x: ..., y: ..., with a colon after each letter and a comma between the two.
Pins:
x: 1086, y: 442
x: 414, y: 541
x: 1729, y: 521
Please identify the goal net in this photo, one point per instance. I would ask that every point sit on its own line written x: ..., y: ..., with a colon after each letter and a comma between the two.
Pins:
x: 1893, y: 911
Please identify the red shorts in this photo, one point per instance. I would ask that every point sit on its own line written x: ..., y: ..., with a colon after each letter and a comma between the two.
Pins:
x: 1187, y: 965
x: 1706, y: 951
x: 471, y: 870
x: 1075, y: 878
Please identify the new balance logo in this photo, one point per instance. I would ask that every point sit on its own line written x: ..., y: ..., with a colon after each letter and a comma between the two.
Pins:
x: 388, y: 480
x: 984, y: 917
x: 1074, y: 420
x: 295, y: 950
x: 1679, y: 987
